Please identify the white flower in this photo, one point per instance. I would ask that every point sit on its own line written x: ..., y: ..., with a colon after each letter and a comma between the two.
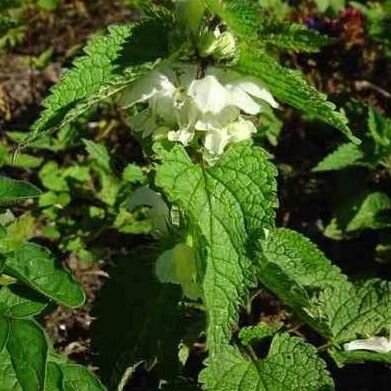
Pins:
x: 181, y: 106
x: 217, y: 139
x: 374, y: 344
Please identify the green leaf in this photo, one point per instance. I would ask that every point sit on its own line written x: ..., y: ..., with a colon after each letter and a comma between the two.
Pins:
x: 133, y: 174
x: 35, y: 266
x: 18, y: 302
x: 291, y: 364
x: 112, y: 61
x: 13, y: 190
x: 380, y: 130
x: 346, y: 155
x: 293, y: 36
x: 23, y: 361
x: 290, y: 87
x: 65, y: 376
x: 365, y: 211
x: 52, y: 177
x: 319, y: 293
x: 228, y: 204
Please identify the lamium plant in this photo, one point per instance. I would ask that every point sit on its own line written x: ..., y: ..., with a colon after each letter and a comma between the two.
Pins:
x: 194, y: 79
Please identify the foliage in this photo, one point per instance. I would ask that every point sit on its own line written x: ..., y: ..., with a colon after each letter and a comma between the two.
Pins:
x: 362, y: 207
x: 188, y: 75
x: 31, y: 279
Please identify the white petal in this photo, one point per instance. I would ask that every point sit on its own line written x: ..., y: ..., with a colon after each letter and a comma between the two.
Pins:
x: 209, y: 95
x: 216, y: 141
x: 253, y: 87
x: 374, y: 344
x: 242, y: 100
x: 211, y: 121
x: 241, y: 130
x: 144, y: 88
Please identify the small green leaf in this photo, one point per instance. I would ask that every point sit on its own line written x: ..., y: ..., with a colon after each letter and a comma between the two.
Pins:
x: 133, y: 174
x: 35, y: 266
x: 365, y: 211
x: 13, y: 190
x: 52, y: 177
x: 346, y: 155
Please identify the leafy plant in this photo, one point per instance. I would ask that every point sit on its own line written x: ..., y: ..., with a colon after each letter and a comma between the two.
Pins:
x: 196, y: 79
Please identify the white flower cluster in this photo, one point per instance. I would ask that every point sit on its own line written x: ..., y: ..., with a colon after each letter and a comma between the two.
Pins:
x: 182, y: 107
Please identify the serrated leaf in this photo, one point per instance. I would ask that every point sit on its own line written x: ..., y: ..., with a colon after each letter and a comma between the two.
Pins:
x: 35, y: 266
x: 293, y: 36
x: 228, y: 203
x: 291, y: 364
x: 319, y: 293
x: 290, y: 87
x: 13, y: 190
x: 23, y: 361
x: 242, y: 16
x: 112, y: 61
x: 346, y: 155
x: 18, y: 302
